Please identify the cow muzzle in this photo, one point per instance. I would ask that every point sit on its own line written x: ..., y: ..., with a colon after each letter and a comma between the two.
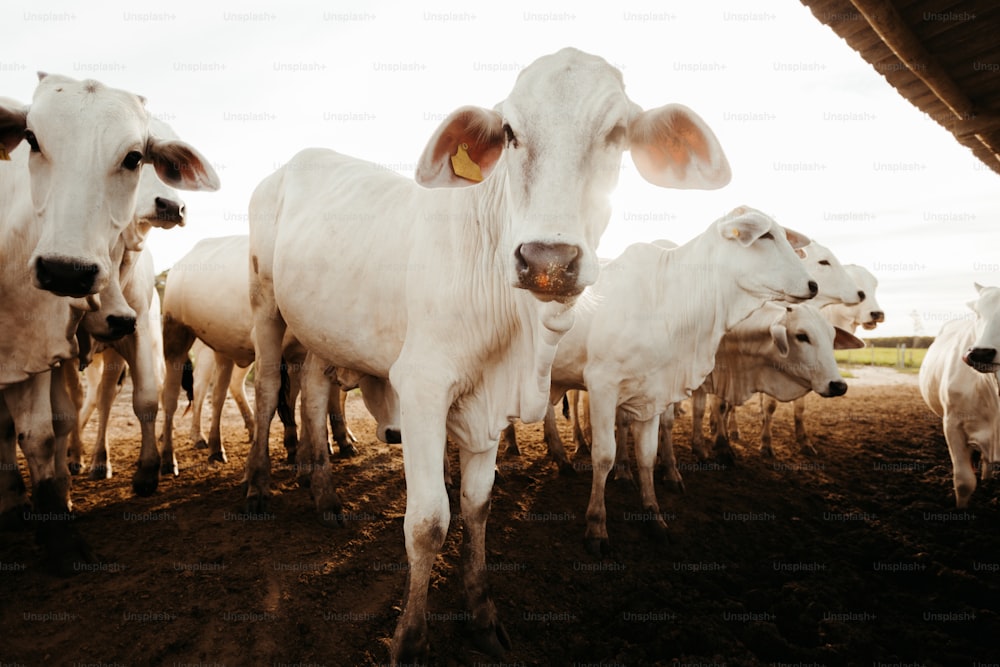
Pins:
x: 835, y: 388
x: 982, y: 359
x: 169, y: 212
x: 66, y: 277
x: 549, y: 270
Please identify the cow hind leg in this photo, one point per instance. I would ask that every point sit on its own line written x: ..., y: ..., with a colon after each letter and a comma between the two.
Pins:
x: 602, y: 456
x: 722, y: 449
x: 177, y: 341
x: 220, y: 385
x: 342, y: 435
x: 314, y: 459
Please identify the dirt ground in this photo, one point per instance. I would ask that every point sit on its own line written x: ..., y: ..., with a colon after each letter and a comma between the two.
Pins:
x: 854, y: 557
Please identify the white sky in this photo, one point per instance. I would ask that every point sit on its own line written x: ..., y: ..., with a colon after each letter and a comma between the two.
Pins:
x: 815, y: 137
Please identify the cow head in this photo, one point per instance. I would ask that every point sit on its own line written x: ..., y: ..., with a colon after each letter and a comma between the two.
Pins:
x: 982, y: 354
x: 762, y: 255
x: 805, y: 342
x: 868, y: 313
x: 835, y: 285
x: 88, y: 143
x: 550, y: 155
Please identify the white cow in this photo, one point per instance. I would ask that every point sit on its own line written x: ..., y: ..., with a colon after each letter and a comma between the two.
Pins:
x: 847, y: 316
x: 141, y: 348
x: 458, y: 296
x: 785, y: 352
x: 207, y: 298
x: 867, y: 314
x: 66, y: 196
x: 959, y: 382
x: 835, y: 284
x: 647, y: 334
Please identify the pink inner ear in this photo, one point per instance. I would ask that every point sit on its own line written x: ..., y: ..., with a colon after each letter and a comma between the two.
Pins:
x: 481, y: 134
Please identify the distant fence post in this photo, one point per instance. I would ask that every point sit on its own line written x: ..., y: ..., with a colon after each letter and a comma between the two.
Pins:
x: 871, y: 346
x: 901, y: 355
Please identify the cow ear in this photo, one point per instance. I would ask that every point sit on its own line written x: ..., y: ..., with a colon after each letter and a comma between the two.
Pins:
x: 798, y: 241
x: 180, y: 166
x: 843, y: 340
x: 13, y: 121
x: 744, y: 225
x: 463, y: 150
x: 979, y: 288
x: 779, y: 334
x: 674, y: 148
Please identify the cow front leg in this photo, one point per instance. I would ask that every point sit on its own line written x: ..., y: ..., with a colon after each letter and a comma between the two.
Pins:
x: 488, y: 632
x: 74, y: 387
x: 107, y: 390
x: 602, y: 457
x: 963, y: 474
x: 699, y: 398
x: 554, y: 443
x: 768, y: 405
x: 423, y: 409
x: 665, y: 450
x: 646, y: 433
x: 801, y: 437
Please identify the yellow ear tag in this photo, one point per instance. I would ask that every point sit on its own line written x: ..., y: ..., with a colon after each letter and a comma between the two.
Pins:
x: 463, y: 166
x: 4, y: 155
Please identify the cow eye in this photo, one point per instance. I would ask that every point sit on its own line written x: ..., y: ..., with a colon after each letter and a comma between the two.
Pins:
x: 802, y: 338
x: 509, y: 134
x: 29, y: 136
x: 824, y: 262
x: 132, y: 160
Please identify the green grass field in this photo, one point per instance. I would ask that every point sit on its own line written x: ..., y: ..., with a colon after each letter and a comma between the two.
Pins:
x: 882, y: 356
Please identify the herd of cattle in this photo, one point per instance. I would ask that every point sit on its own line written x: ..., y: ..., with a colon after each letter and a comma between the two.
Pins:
x: 457, y: 302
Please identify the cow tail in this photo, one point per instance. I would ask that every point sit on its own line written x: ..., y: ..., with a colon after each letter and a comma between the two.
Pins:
x: 286, y: 412
x: 565, y: 403
x: 187, y: 379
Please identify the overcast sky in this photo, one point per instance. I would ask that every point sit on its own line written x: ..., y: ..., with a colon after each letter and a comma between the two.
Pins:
x: 814, y: 135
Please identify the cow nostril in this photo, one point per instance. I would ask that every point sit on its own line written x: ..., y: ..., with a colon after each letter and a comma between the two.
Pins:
x: 982, y: 355
x: 878, y: 316
x: 813, y: 288
x: 548, y: 267
x: 861, y: 295
x: 120, y: 326
x: 66, y: 277
x: 838, y: 388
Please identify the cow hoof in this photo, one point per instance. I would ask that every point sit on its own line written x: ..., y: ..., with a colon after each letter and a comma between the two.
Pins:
x: 767, y: 452
x: 347, y: 451
x: 809, y: 450
x: 169, y: 469
x: 725, y: 458
x: 492, y: 640
x: 145, y: 481
x: 218, y: 457
x: 74, y: 468
x: 100, y: 472
x: 290, y: 457
x: 410, y: 646
x: 599, y: 547
x: 201, y: 444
